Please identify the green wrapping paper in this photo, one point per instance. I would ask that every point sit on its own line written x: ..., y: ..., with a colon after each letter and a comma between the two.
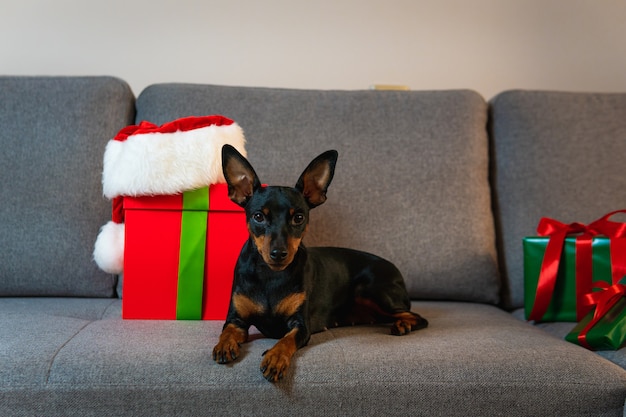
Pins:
x: 563, y: 305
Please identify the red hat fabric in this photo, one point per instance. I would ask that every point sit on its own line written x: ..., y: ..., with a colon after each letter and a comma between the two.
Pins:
x: 147, y: 159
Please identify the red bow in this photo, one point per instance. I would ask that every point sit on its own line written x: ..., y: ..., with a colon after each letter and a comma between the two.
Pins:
x: 557, y: 232
x: 603, y: 300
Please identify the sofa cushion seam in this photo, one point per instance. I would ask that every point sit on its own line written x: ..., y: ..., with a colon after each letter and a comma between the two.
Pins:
x: 56, y: 353
x: 106, y: 309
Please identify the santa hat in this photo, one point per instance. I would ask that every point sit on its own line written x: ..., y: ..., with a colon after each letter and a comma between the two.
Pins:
x: 147, y: 159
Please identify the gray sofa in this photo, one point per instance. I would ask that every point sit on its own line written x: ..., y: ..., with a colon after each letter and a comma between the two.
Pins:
x: 442, y: 183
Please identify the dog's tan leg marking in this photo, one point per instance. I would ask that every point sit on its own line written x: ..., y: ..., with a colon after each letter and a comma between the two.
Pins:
x: 227, y: 348
x: 277, y: 360
x: 290, y: 304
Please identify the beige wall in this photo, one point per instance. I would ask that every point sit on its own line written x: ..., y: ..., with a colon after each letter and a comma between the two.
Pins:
x: 485, y: 45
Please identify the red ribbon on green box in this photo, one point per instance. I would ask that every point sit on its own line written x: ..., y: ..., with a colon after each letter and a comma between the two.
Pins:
x: 557, y: 233
x: 191, y: 266
x: 605, y: 328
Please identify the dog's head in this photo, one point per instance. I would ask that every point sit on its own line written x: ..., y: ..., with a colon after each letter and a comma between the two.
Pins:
x: 277, y: 217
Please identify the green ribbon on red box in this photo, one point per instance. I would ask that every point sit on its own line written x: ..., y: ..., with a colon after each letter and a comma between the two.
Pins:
x: 557, y: 232
x: 193, y: 237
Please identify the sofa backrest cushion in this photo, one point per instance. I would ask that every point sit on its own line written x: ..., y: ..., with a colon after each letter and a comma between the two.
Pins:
x: 411, y: 182
x: 558, y: 155
x: 54, y: 130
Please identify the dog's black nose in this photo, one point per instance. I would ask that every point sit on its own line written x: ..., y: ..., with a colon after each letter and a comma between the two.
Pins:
x: 278, y: 254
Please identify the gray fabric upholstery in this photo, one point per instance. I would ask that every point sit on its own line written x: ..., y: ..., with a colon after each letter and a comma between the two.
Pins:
x: 473, y: 359
x: 53, y: 135
x: 558, y: 155
x: 411, y: 182
x: 561, y: 329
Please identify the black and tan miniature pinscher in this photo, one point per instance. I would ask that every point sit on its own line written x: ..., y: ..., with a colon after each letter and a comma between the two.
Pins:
x: 288, y: 291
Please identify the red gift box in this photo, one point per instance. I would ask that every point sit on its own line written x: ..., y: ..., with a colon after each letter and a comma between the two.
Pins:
x: 160, y: 282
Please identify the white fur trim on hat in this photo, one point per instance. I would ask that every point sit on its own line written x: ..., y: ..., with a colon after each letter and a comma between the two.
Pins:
x: 109, y: 248
x: 168, y: 163
x: 147, y: 159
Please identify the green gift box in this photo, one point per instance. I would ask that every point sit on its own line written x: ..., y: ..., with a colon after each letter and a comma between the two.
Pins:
x: 564, y: 263
x: 565, y: 301
x: 605, y: 327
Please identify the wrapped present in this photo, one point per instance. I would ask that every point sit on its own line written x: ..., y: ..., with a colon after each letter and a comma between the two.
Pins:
x: 174, y: 234
x: 180, y: 254
x: 605, y: 327
x: 562, y: 264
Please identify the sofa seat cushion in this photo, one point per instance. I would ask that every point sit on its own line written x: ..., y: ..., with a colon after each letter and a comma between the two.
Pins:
x: 54, y: 130
x: 561, y: 329
x: 411, y: 182
x: 472, y: 357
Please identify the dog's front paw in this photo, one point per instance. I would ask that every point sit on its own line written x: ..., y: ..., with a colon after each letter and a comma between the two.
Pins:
x: 275, y: 363
x: 227, y: 349
x: 277, y: 359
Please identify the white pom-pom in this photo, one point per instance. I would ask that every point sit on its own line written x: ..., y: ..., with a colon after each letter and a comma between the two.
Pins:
x: 109, y: 248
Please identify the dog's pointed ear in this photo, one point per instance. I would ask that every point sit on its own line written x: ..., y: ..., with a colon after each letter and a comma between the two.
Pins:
x: 240, y: 176
x: 316, y: 178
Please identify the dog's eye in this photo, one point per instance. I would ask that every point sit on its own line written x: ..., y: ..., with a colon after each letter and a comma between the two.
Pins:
x: 298, y: 219
x: 258, y: 217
